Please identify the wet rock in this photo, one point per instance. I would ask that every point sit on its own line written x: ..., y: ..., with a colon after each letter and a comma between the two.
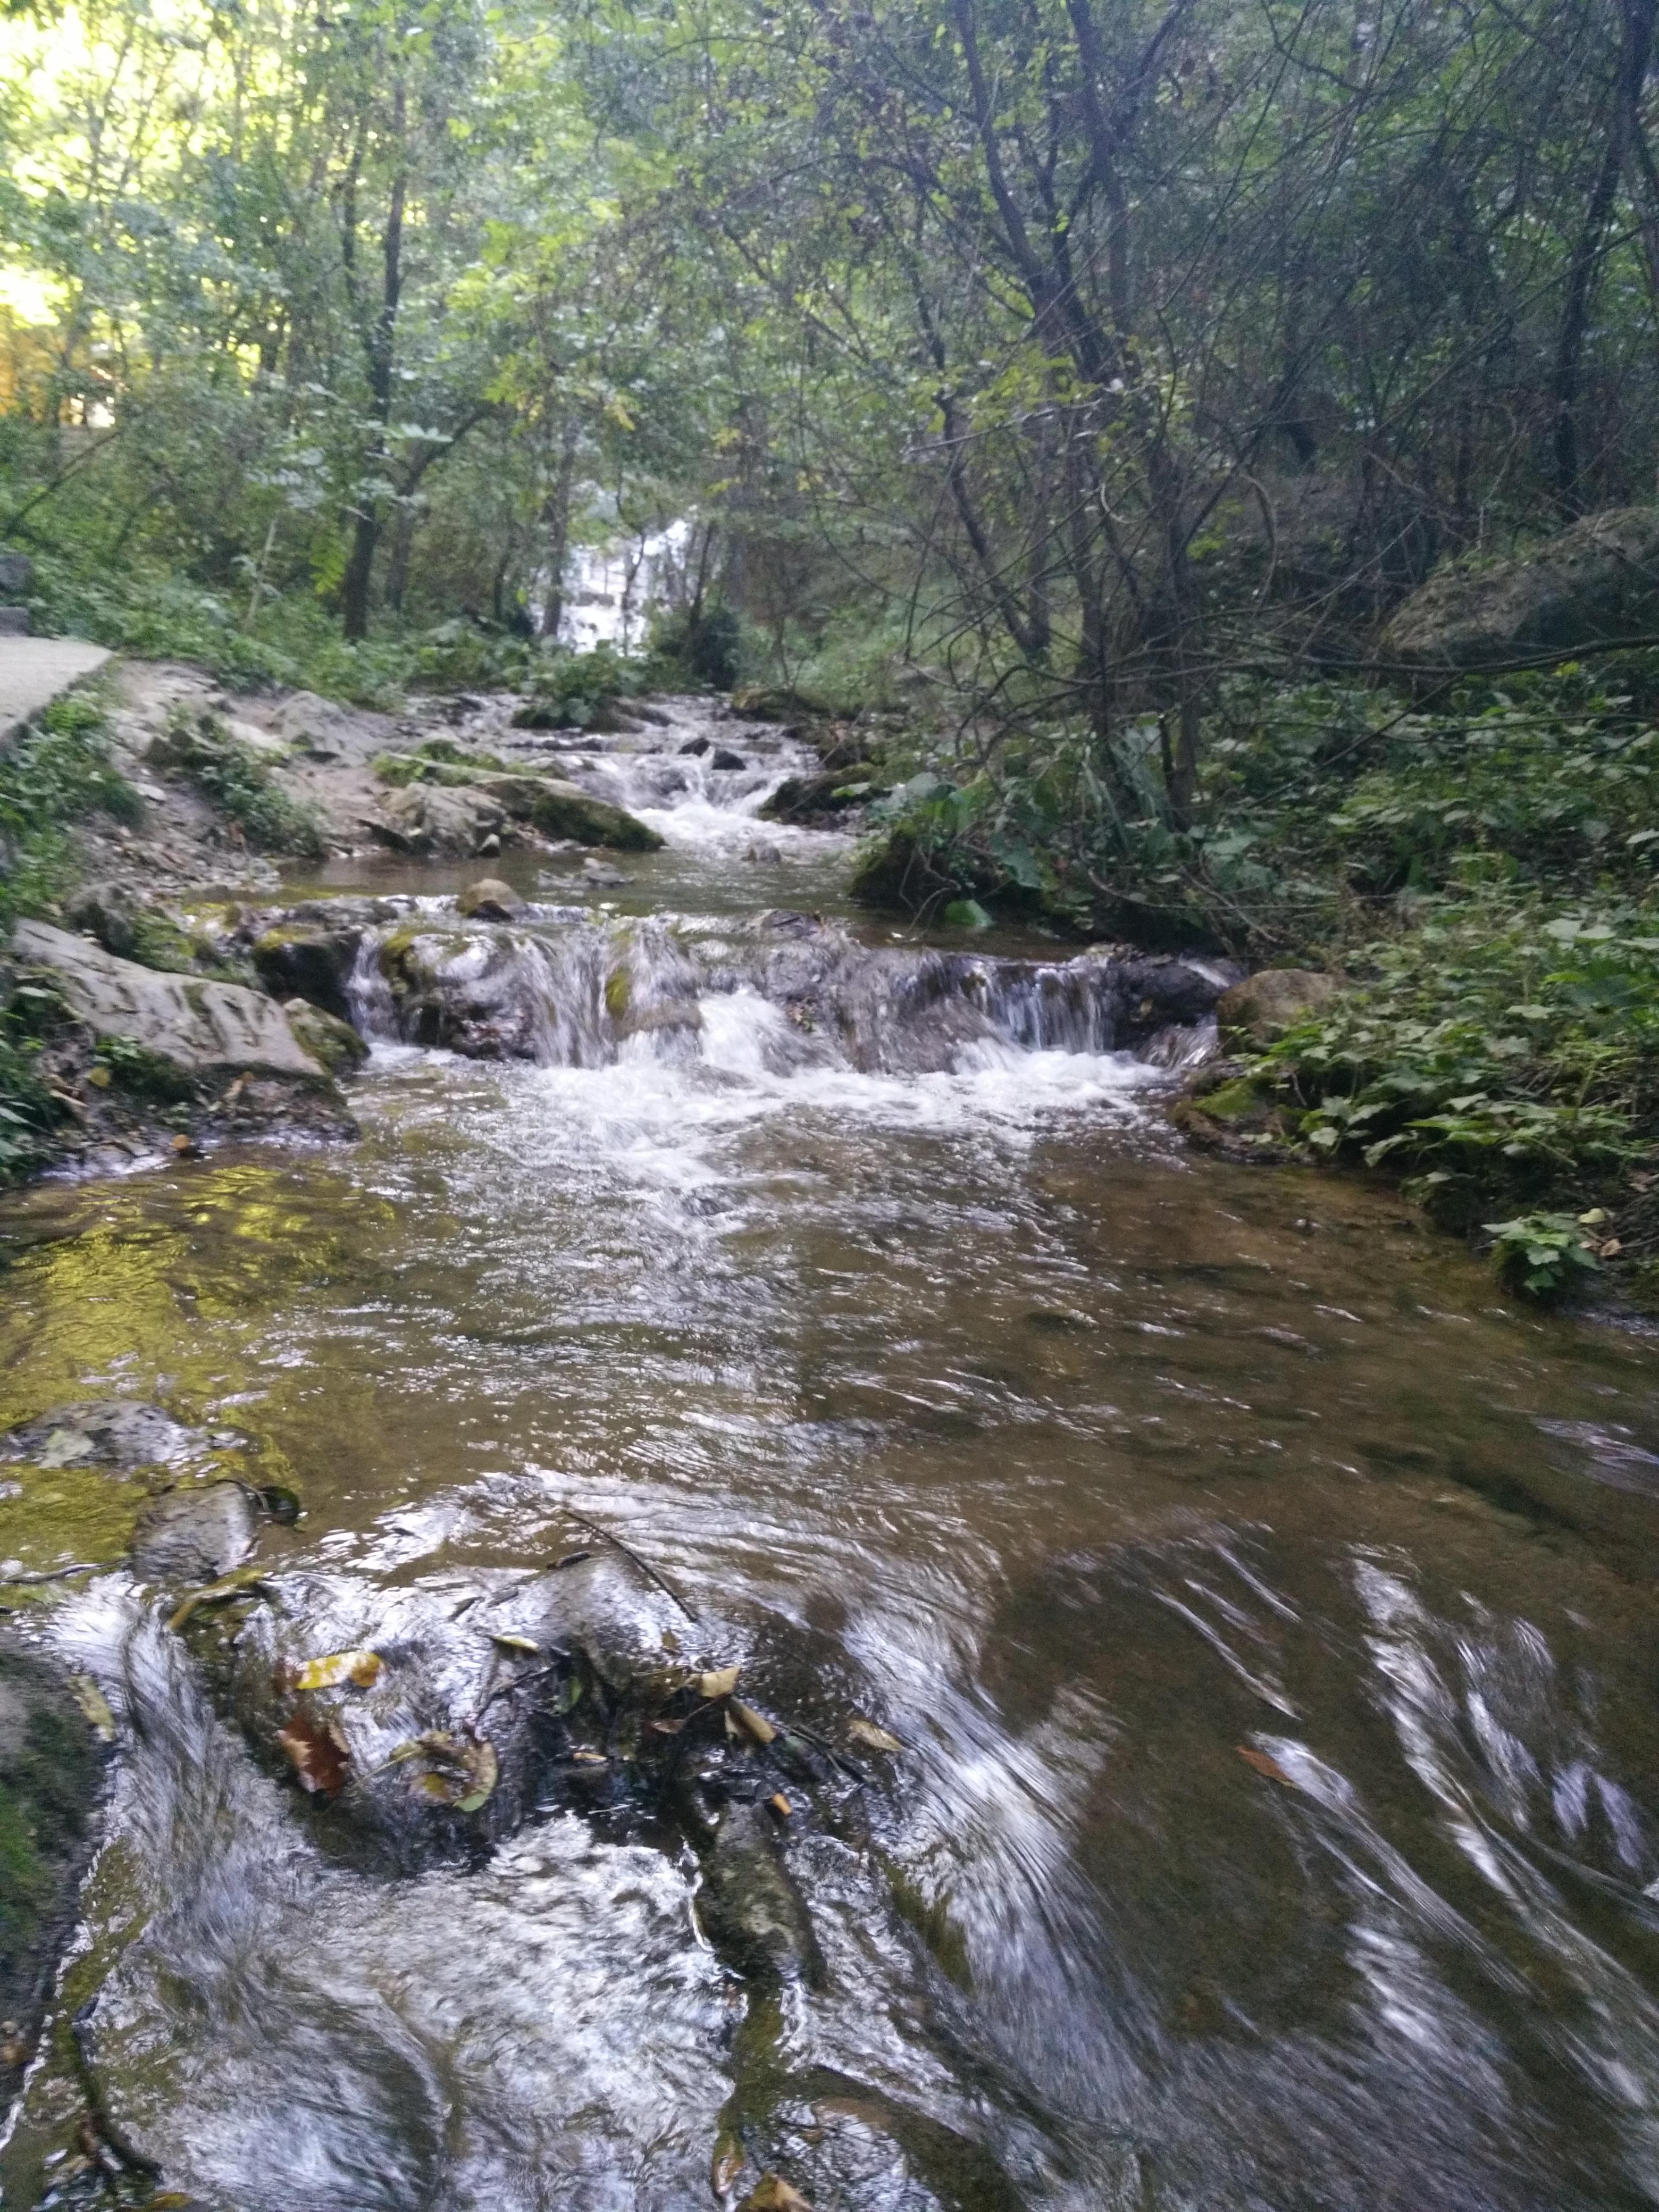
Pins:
x: 751, y: 1910
x: 724, y: 759
x: 194, y: 1535
x: 50, y: 1774
x: 553, y: 1672
x: 198, y: 1027
x: 695, y: 747
x: 326, y: 1037
x: 1597, y: 584
x: 118, y: 1433
x: 487, y: 996
x: 603, y: 874
x: 296, y: 960
x: 1253, y: 1013
x: 489, y: 900
x: 821, y: 801
x: 556, y: 809
x: 438, y: 821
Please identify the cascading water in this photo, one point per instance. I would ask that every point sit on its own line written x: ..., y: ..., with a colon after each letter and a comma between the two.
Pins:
x: 1206, y: 1634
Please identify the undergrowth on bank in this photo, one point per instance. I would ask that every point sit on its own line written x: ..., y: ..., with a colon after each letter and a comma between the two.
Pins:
x: 59, y: 772
x: 1477, y: 870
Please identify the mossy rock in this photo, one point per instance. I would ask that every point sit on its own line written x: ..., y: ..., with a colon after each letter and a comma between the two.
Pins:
x: 293, y: 961
x: 563, y: 810
x: 50, y: 1776
x: 1235, y: 1116
x: 1262, y: 1007
x: 326, y: 1037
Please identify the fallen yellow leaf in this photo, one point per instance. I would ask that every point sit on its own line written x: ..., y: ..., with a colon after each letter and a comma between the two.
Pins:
x: 360, y: 1667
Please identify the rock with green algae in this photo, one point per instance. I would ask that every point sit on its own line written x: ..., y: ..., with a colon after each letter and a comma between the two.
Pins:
x: 204, y: 1028
x: 309, y: 961
x: 326, y: 1036
x: 561, y: 810
x: 51, y: 1773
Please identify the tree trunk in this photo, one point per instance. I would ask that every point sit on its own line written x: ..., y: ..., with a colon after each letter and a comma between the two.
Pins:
x: 1635, y: 48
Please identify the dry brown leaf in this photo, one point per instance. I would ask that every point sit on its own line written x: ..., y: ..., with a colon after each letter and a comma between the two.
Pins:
x: 523, y: 1644
x: 460, y: 1770
x: 781, y: 1804
x: 719, y: 1684
x: 94, y: 1705
x: 1265, y: 1762
x: 671, y: 1642
x: 772, y: 2193
x: 878, y: 1739
x: 320, y: 1755
x: 589, y: 1758
x: 360, y: 1667
x: 665, y: 1728
x: 753, y: 1723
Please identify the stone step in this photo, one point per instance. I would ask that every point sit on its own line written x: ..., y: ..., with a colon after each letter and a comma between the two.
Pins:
x: 34, y: 671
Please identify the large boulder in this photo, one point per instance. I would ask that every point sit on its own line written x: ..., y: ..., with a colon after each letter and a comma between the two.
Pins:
x: 479, y: 991
x: 558, y: 809
x: 202, y: 1029
x: 1596, y: 585
x: 1262, y: 1007
x: 438, y: 821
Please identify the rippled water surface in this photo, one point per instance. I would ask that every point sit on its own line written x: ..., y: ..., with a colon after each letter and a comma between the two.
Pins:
x: 1267, y: 1607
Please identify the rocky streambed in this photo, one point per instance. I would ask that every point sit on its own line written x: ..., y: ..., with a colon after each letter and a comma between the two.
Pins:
x: 763, y: 1592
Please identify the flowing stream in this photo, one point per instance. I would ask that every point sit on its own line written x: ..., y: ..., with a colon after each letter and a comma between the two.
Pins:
x: 1266, y: 1609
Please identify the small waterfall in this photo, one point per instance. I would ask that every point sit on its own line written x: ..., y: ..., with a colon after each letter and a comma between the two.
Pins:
x: 588, y: 993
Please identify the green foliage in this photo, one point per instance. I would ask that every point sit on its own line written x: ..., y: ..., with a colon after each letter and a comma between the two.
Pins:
x: 577, y: 690
x: 232, y: 778
x: 1543, y: 1255
x: 57, y: 773
x: 1503, y: 1048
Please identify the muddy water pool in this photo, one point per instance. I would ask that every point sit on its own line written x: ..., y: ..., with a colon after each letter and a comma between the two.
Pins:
x: 1265, y: 1606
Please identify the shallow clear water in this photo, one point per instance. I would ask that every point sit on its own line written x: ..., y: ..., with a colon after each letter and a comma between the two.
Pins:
x: 972, y: 1403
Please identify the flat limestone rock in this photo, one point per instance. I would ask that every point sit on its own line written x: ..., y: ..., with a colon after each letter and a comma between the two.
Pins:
x: 204, y: 1028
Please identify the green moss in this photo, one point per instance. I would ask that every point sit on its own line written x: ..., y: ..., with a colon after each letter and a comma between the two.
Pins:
x: 618, y: 993
x: 1236, y: 1101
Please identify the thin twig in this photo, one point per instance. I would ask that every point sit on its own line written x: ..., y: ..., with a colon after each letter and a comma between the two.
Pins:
x: 628, y: 1553
x: 57, y: 1574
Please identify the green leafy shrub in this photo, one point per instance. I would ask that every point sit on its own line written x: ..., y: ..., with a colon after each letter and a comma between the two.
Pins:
x: 233, y: 779
x: 579, y: 691
x: 1503, y: 1048
x: 59, y: 772
x: 1543, y: 1255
